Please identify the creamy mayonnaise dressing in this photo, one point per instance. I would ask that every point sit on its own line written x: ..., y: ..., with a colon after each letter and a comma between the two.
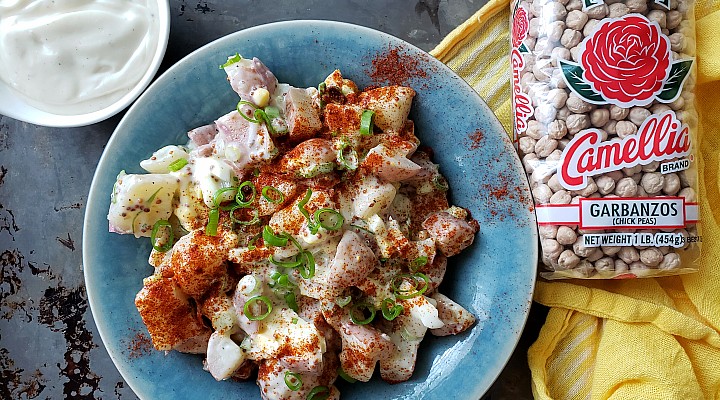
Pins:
x: 76, y: 56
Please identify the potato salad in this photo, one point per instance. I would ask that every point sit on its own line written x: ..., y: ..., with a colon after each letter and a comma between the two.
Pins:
x: 299, y: 238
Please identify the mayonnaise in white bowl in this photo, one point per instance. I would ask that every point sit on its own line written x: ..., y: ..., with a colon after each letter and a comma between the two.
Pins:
x: 77, y: 62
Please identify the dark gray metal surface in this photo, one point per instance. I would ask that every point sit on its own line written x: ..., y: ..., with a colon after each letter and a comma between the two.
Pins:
x: 49, y: 345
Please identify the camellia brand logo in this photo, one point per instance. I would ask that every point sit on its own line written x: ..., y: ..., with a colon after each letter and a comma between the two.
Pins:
x: 660, y: 137
x: 521, y: 101
x: 626, y: 62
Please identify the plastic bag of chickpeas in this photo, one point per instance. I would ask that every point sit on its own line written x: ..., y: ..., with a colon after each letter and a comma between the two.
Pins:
x: 605, y: 124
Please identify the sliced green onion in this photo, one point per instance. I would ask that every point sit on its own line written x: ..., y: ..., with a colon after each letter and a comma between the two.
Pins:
x: 258, y: 317
x: 273, y: 195
x: 152, y: 196
x: 295, y: 242
x: 345, y: 376
x: 242, y: 103
x: 307, y: 266
x: 255, y: 219
x: 343, y: 301
x: 293, y: 380
x: 315, y: 170
x: 321, y: 92
x: 303, y: 202
x: 367, y: 120
x: 350, y: 163
x: 153, y: 236
x: 360, y: 228
x: 177, y: 165
x: 217, y: 197
x: 270, y: 238
x: 251, y: 243
x: 231, y: 60
x: 319, y: 393
x: 292, y: 302
x: 403, y: 294
x: 336, y: 219
x: 391, y: 310
x: 416, y: 264
x: 272, y: 112
x: 213, y: 219
x: 286, y: 264
x: 440, y: 183
x: 359, y: 308
x: 243, y: 199
x: 294, y: 320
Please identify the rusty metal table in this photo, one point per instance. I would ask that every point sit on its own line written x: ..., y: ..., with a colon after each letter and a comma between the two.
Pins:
x: 49, y: 346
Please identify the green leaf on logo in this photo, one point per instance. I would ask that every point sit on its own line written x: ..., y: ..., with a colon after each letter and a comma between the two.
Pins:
x: 523, y: 49
x: 588, y: 4
x: 664, y: 3
x: 673, y: 85
x: 573, y: 77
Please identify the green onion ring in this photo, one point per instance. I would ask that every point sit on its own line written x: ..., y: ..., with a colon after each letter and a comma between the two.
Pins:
x: 153, y: 236
x: 440, y: 183
x: 291, y: 301
x: 359, y: 307
x: 272, y: 112
x: 307, y: 266
x: 177, y: 165
x: 360, y: 228
x: 404, y: 295
x: 319, y: 393
x: 352, y: 165
x: 345, y: 376
x: 270, y: 238
x: 277, y: 196
x: 240, y: 196
x: 213, y: 219
x: 390, y: 313
x: 303, y: 202
x: 367, y: 119
x: 251, y: 243
x: 250, y: 315
x: 339, y: 219
x: 231, y: 60
x: 416, y: 264
x: 286, y: 264
x: 293, y: 380
x: 220, y: 192
x: 253, y: 221
x: 342, y: 302
x: 242, y: 114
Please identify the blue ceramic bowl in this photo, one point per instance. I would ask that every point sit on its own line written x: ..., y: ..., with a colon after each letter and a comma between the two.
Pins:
x: 494, y: 278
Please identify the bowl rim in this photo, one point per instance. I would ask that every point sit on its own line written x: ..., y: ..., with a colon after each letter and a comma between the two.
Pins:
x: 49, y: 119
x: 94, y: 189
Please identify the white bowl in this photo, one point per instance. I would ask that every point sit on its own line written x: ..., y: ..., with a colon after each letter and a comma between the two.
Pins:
x: 14, y: 106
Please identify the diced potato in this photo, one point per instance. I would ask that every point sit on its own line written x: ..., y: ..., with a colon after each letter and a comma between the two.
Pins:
x: 167, y: 313
x: 160, y: 161
x: 343, y: 119
x: 302, y: 118
x: 224, y: 357
x: 138, y: 201
x: 390, y: 103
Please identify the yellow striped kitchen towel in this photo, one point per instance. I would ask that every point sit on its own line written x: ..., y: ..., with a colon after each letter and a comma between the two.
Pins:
x: 627, y: 339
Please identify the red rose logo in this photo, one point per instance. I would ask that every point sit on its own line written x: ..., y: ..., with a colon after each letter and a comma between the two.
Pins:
x: 627, y: 60
x: 520, y: 27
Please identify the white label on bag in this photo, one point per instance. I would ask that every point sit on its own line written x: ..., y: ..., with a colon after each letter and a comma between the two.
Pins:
x: 632, y: 213
x: 621, y: 213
